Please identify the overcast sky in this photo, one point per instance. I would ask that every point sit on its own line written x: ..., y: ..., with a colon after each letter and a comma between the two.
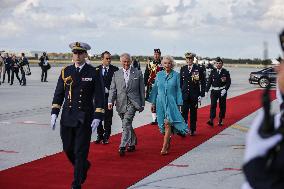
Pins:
x: 226, y: 28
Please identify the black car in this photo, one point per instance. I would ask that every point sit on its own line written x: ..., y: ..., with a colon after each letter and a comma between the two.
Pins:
x: 263, y: 77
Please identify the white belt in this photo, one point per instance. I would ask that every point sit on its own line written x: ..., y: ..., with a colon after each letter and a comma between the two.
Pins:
x: 218, y: 88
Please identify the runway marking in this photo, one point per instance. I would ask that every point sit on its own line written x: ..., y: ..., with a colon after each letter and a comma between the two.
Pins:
x: 238, y: 147
x: 8, y: 151
x: 174, y: 165
x: 240, y: 128
x: 232, y: 169
x: 32, y: 123
x: 5, y: 122
x: 186, y: 175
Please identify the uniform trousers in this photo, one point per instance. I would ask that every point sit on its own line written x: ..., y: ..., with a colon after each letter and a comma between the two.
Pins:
x: 15, y: 71
x: 128, y: 135
x: 76, y: 144
x: 104, y: 130
x: 43, y: 74
x: 215, y: 96
x: 8, y: 71
x: 191, y: 103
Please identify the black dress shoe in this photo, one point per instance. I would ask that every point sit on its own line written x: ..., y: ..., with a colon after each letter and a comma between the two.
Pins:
x: 88, y: 165
x: 99, y: 140
x: 121, y: 151
x: 75, y: 186
x: 210, y: 122
x: 105, y: 141
x: 154, y: 123
x: 130, y: 148
x: 220, y: 123
x: 192, y: 133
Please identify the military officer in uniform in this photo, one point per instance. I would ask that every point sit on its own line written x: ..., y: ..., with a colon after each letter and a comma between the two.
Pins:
x: 152, y: 68
x: 80, y: 87
x: 192, y: 82
x: 220, y: 81
x: 106, y: 69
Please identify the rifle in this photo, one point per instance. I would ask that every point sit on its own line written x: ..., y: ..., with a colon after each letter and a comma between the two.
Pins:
x: 267, y: 128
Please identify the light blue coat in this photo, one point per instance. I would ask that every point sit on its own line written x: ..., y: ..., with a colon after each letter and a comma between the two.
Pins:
x: 166, y: 95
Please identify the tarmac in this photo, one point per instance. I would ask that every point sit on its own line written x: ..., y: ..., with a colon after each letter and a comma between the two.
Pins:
x: 25, y: 135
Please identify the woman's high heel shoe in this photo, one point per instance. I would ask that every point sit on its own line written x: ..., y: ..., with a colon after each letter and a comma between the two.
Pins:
x: 164, y: 152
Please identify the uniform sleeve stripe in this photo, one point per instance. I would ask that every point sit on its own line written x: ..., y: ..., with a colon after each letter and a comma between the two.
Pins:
x: 56, y: 106
x: 100, y: 110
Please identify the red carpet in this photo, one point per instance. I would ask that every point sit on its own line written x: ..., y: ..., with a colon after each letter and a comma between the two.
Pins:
x: 111, y: 171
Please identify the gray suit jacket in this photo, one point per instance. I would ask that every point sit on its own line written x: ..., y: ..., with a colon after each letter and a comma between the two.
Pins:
x: 135, y: 90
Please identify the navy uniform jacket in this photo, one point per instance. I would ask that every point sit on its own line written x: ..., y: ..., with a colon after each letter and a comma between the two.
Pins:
x: 82, y: 94
x: 192, y: 83
x: 219, y: 80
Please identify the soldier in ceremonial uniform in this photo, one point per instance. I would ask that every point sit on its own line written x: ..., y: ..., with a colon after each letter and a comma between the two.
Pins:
x: 152, y: 68
x: 220, y: 81
x: 192, y: 82
x: 80, y: 88
x: 106, y: 70
x: 263, y: 159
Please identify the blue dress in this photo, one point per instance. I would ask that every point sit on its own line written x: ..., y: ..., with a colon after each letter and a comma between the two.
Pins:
x: 166, y: 95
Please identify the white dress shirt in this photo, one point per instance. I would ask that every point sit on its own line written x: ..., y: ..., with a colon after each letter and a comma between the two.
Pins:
x: 80, y: 67
x: 126, y: 75
x: 103, y: 70
x: 190, y: 68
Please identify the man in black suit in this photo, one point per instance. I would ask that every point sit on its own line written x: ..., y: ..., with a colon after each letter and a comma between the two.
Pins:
x: 192, y: 82
x: 106, y: 70
x: 220, y: 81
x: 80, y: 88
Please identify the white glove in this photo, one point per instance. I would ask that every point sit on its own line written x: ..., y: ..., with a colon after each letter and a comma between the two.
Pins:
x: 255, y: 145
x: 53, y: 121
x: 199, y: 98
x: 95, y: 124
x: 246, y: 186
x: 223, y: 92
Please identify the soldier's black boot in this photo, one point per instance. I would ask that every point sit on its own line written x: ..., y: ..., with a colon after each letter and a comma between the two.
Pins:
x: 210, y: 122
x: 220, y: 122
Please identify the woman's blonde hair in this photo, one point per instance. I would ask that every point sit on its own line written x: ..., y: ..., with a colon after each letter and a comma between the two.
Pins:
x: 170, y: 58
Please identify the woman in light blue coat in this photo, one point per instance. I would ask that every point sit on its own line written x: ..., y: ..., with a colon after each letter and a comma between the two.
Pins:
x: 166, y: 99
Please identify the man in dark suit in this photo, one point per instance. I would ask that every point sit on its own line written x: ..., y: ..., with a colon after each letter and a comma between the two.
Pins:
x: 7, y: 67
x: 192, y: 82
x: 106, y: 70
x: 80, y: 88
x: 220, y: 81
